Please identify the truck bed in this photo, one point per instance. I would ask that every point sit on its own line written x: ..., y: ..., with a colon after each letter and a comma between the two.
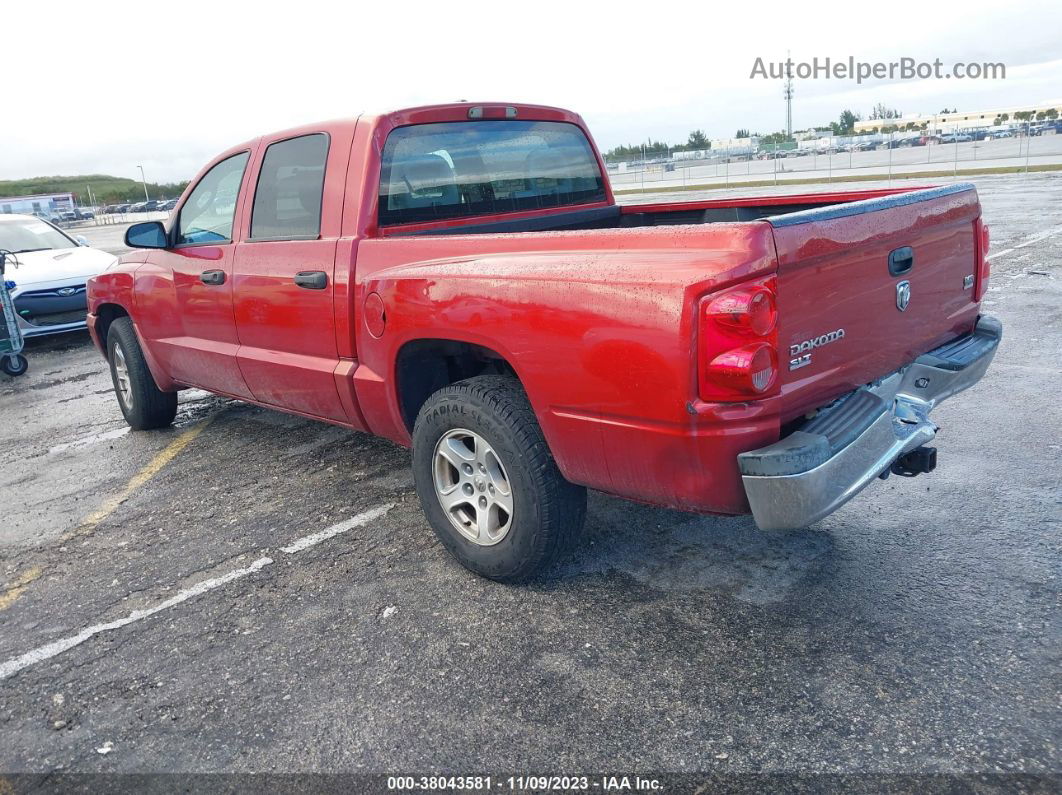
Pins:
x: 705, y: 211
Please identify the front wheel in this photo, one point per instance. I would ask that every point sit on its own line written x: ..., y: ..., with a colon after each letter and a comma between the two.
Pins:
x: 144, y: 405
x: 14, y: 364
x: 488, y: 483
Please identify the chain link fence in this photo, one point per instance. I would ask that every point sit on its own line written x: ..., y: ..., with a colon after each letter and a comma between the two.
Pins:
x: 110, y: 214
x: 884, y: 155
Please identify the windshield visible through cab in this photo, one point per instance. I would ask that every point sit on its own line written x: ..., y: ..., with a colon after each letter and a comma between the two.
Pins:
x: 22, y: 235
x: 432, y: 172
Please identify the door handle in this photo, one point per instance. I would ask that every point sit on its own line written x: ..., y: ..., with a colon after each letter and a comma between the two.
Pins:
x: 901, y: 260
x: 312, y: 280
x: 212, y: 277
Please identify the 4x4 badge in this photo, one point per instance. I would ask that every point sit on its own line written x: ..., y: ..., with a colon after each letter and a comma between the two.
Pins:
x: 903, y: 295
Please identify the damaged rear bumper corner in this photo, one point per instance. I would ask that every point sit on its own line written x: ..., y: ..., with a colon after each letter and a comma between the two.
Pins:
x: 818, y: 468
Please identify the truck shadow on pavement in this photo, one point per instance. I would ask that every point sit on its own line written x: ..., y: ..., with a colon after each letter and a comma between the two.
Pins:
x: 664, y: 550
x: 59, y: 343
x: 672, y: 551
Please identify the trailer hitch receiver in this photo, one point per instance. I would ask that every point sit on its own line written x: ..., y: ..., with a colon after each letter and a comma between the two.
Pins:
x: 917, y: 461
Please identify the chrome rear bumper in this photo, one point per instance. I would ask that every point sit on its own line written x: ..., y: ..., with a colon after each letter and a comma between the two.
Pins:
x: 815, y: 470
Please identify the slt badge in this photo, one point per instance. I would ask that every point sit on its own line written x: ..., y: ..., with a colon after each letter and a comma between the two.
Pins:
x: 802, y: 350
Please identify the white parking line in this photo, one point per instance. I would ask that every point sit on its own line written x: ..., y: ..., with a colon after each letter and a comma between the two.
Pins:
x: 85, y: 441
x: 1027, y: 242
x: 58, y: 647
x: 308, y: 541
x: 50, y: 650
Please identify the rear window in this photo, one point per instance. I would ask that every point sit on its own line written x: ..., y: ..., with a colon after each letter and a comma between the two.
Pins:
x: 457, y: 169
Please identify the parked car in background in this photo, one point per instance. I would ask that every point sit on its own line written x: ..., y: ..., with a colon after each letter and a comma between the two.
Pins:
x: 954, y: 138
x: 137, y: 207
x: 52, y: 218
x: 50, y: 272
x: 460, y: 279
x: 1001, y: 134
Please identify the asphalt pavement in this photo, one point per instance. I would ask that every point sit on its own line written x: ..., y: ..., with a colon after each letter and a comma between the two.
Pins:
x: 253, y: 592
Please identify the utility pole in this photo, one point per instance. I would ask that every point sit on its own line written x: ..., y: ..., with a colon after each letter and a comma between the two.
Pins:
x: 1028, y: 142
x: 788, y: 94
x: 143, y: 180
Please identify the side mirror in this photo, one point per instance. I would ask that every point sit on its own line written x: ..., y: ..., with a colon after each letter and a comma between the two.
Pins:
x: 150, y: 234
x: 82, y: 240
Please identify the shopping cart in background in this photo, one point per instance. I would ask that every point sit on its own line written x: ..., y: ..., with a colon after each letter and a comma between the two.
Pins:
x: 12, y: 361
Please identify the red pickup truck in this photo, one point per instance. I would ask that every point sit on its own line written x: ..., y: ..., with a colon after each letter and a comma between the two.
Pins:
x: 459, y: 279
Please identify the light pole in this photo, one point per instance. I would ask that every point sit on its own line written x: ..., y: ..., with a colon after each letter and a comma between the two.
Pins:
x: 143, y: 180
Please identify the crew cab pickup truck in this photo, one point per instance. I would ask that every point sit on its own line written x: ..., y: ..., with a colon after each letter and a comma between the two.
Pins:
x: 459, y: 279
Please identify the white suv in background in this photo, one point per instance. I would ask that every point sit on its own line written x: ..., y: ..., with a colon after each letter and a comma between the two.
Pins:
x: 49, y: 269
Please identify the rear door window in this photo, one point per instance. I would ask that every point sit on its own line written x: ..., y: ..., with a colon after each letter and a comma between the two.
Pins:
x: 287, y: 201
x: 458, y: 169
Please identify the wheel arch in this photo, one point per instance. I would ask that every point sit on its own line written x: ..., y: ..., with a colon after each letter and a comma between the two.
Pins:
x: 106, y: 313
x: 423, y: 366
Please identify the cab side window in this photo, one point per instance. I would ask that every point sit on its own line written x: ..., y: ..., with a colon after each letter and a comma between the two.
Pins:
x: 287, y: 201
x: 207, y: 215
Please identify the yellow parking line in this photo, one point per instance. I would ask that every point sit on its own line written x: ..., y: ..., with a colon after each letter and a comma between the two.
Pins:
x: 8, y: 597
x: 153, y: 467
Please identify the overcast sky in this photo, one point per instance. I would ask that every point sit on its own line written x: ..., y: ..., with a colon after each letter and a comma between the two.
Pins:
x: 100, y: 87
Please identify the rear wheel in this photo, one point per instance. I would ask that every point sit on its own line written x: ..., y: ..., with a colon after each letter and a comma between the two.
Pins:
x: 144, y: 405
x: 488, y: 483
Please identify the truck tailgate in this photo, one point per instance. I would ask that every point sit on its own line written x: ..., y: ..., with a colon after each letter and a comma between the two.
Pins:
x: 865, y: 287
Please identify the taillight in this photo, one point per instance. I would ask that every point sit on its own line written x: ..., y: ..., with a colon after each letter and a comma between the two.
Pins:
x: 737, y: 347
x: 752, y: 310
x: 749, y: 369
x: 983, y: 265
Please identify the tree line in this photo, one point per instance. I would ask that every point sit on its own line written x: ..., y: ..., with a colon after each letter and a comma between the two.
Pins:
x: 105, y: 189
x: 696, y: 140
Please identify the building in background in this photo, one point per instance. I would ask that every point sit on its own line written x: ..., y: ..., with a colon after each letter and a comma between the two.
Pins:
x: 45, y: 203
x: 966, y: 120
x: 735, y: 146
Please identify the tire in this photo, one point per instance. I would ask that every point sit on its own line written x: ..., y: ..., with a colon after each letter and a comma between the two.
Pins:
x: 546, y: 512
x: 14, y: 364
x: 144, y: 405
